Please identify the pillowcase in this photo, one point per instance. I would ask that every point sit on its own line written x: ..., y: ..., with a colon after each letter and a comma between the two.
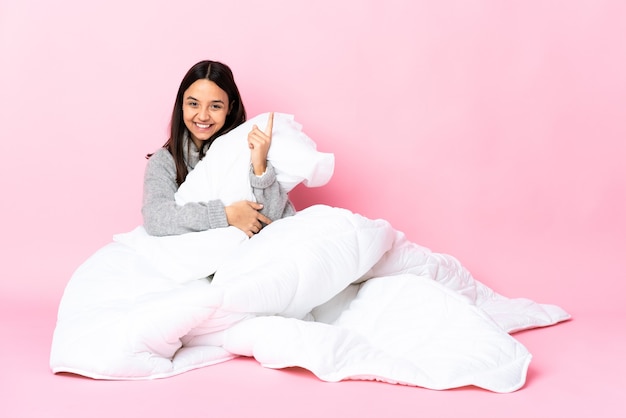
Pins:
x: 224, y: 171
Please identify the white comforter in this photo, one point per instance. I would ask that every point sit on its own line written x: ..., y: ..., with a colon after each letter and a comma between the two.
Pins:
x: 341, y: 295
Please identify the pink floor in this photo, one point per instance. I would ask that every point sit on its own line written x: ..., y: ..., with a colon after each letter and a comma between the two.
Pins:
x: 577, y: 371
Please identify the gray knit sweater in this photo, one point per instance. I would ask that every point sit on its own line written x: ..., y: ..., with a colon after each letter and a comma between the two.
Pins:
x: 163, y: 216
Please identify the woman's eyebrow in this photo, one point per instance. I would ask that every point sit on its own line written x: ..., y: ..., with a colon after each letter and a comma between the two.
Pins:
x: 212, y: 101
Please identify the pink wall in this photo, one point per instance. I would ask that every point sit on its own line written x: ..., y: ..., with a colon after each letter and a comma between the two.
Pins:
x: 490, y: 130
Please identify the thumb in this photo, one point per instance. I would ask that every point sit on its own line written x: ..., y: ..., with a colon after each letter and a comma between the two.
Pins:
x: 257, y: 206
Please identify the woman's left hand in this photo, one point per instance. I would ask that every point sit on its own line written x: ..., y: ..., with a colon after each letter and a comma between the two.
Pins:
x: 259, y: 142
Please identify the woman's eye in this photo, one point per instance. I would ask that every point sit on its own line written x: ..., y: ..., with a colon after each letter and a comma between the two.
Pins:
x: 192, y: 104
x: 216, y: 107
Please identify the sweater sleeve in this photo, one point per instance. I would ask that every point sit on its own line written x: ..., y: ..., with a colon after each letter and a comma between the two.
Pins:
x: 161, y: 214
x: 267, y: 190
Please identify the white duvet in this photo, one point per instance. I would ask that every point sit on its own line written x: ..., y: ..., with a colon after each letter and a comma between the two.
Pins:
x: 329, y: 290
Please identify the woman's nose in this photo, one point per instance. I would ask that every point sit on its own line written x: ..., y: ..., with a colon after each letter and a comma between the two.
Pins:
x: 205, y: 114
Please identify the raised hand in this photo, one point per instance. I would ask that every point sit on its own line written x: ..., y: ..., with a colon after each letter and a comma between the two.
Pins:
x: 259, y: 142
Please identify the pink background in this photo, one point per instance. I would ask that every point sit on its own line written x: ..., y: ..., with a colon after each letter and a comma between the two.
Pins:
x: 491, y: 130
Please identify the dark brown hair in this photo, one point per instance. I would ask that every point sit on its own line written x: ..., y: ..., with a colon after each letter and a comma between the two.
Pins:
x: 221, y: 75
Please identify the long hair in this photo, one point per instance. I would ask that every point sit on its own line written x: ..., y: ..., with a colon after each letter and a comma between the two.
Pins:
x: 221, y: 75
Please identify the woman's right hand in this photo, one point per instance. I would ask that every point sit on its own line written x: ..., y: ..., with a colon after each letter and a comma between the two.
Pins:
x: 245, y: 215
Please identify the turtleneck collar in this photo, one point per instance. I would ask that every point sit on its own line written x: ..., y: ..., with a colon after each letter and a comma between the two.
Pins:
x: 192, y: 155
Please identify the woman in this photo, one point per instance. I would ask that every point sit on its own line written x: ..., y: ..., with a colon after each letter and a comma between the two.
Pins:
x: 208, y: 104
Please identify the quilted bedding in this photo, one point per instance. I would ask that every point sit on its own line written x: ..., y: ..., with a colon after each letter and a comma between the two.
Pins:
x: 329, y: 290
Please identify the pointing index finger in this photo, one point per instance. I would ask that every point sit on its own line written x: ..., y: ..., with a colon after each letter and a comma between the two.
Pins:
x: 270, y: 124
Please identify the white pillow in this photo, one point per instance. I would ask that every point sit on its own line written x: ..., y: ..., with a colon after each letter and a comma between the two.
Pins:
x: 223, y: 172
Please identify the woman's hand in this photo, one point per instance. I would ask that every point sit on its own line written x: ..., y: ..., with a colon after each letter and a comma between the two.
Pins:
x: 259, y: 142
x: 245, y: 215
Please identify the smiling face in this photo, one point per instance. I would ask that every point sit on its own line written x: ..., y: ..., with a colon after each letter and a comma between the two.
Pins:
x: 205, y: 107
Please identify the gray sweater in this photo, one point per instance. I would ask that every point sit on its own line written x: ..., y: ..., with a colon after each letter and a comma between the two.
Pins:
x: 163, y: 216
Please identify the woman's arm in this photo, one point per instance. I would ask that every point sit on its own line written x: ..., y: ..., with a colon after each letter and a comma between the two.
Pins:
x: 267, y: 191
x: 161, y: 214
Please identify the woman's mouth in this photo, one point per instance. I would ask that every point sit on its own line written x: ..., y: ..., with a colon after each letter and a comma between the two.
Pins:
x: 202, y: 125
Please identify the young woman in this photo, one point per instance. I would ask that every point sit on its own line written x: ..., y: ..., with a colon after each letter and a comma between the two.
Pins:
x: 208, y: 104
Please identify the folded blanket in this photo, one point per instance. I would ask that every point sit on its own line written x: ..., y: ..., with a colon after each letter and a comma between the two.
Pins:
x: 303, y: 292
x: 329, y: 290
